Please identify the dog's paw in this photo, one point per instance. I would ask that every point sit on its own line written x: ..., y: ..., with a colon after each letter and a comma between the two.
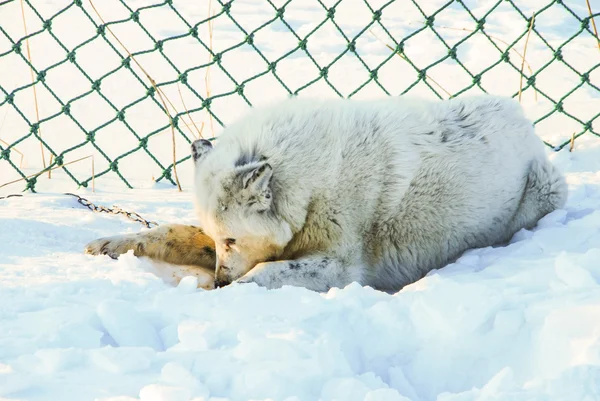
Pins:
x: 244, y: 280
x: 265, y: 275
x: 111, y: 246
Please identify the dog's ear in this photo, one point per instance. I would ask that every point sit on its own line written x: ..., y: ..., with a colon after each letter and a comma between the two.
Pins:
x: 258, y: 178
x: 200, y: 148
x: 256, y: 181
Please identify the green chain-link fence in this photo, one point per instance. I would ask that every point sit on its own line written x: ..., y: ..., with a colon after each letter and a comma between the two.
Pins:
x: 14, y: 46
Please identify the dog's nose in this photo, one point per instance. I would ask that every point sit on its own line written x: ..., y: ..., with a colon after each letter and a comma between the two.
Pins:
x: 221, y: 279
x: 221, y: 283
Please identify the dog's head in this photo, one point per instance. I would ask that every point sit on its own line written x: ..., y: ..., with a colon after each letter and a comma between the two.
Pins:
x: 236, y: 206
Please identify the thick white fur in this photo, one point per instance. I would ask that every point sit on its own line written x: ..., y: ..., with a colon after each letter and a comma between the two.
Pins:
x: 379, y: 192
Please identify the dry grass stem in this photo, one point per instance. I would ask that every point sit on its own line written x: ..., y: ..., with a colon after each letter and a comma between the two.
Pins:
x: 7, y: 144
x: 53, y: 168
x: 207, y: 73
x: 187, y: 112
x: 593, y: 23
x: 177, y: 112
x: 159, y: 91
x: 524, y: 55
x: 35, y: 99
x: 404, y: 58
x: 523, y: 59
x: 93, y: 176
x: 572, y: 144
x: 16, y: 150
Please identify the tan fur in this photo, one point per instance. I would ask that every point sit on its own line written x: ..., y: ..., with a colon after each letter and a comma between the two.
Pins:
x: 176, y: 244
x: 173, y: 274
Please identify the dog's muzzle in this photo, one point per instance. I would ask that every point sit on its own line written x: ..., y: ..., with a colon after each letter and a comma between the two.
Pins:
x: 221, y: 283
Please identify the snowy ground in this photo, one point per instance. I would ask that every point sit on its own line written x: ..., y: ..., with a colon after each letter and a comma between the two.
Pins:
x: 516, y: 322
x: 520, y: 322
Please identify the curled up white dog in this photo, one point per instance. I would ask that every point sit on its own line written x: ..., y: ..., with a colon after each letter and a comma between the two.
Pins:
x: 322, y: 193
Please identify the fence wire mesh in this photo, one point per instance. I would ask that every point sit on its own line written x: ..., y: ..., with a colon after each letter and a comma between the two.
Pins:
x: 88, y: 28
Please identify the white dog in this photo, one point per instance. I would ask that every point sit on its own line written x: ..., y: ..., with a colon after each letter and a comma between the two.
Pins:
x: 322, y: 193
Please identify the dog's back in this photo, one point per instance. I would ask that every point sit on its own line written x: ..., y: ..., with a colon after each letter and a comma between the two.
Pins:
x: 414, y: 183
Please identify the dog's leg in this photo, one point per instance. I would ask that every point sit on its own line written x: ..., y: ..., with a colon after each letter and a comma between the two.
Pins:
x: 172, y: 243
x: 315, y: 273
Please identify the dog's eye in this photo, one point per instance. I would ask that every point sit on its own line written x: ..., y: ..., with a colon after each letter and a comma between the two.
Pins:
x: 229, y: 242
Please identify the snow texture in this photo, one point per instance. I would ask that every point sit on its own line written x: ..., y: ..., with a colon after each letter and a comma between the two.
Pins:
x: 514, y: 322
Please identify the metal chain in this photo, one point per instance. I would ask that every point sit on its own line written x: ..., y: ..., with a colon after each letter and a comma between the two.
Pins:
x: 102, y: 209
x: 114, y: 210
x: 9, y: 196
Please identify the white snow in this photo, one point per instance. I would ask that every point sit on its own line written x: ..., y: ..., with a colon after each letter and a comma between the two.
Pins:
x: 514, y: 322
